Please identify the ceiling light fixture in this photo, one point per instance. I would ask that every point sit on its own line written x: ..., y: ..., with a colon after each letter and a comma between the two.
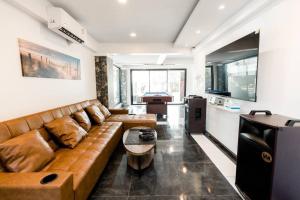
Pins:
x: 161, y: 59
x: 221, y: 7
x: 197, y: 31
x: 122, y: 1
x: 171, y: 149
x: 182, y: 196
x: 133, y: 34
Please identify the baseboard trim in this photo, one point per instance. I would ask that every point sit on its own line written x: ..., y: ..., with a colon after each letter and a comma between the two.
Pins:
x: 221, y: 146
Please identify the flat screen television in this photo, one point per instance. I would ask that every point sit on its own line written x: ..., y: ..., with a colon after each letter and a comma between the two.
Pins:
x: 232, y: 70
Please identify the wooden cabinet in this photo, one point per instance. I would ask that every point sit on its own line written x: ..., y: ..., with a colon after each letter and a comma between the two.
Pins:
x: 195, y: 114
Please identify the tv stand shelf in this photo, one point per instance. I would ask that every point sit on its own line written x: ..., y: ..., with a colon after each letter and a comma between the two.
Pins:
x: 224, y: 108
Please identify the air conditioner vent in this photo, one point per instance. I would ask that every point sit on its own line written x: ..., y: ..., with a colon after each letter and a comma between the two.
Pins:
x: 63, y: 24
x: 71, y: 35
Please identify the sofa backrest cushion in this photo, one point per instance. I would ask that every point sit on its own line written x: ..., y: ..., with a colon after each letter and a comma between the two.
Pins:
x: 25, y: 153
x: 95, y: 114
x: 83, y: 120
x: 12, y: 128
x: 66, y: 131
x: 104, y: 110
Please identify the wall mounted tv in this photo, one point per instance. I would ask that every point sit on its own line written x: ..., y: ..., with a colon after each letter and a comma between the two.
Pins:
x: 232, y: 70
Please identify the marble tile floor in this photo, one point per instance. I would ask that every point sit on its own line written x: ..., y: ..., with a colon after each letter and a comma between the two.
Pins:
x: 180, y: 170
x: 225, y: 165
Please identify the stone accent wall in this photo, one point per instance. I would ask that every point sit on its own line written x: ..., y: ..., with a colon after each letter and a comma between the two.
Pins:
x: 124, y: 82
x: 101, y: 79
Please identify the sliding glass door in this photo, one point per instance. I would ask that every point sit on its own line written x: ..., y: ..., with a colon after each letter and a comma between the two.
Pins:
x: 139, y: 85
x: 158, y: 81
x: 172, y: 81
x: 176, y: 85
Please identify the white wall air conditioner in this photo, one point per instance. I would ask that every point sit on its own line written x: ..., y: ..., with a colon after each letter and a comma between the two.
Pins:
x: 63, y: 24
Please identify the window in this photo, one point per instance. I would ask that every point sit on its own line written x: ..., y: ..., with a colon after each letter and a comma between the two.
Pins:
x: 139, y: 85
x: 117, y: 85
x: 242, y: 78
x: 172, y: 81
x: 209, y: 78
x: 176, y: 85
x: 158, y: 81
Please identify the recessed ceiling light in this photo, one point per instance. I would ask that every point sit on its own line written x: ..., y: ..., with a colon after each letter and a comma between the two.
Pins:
x: 122, y: 1
x: 171, y: 149
x: 221, y: 7
x: 133, y: 34
x: 161, y: 59
x: 197, y: 31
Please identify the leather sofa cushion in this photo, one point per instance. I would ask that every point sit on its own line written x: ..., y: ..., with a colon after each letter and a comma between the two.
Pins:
x: 87, y: 160
x: 2, y: 169
x: 83, y: 120
x: 66, y: 131
x: 104, y: 110
x: 133, y: 118
x: 95, y: 113
x: 35, y: 122
x: 26, y: 153
x: 130, y: 121
x: 4, y: 133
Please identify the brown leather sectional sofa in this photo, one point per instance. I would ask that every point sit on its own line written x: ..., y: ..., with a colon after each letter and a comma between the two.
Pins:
x: 78, y: 169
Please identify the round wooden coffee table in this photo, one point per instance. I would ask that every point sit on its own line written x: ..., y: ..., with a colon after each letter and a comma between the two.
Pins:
x: 139, y: 157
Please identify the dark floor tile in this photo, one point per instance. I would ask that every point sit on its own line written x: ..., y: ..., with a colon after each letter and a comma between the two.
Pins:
x: 203, y: 179
x: 220, y: 197
x: 119, y: 155
x: 163, y: 158
x: 115, y: 181
x: 167, y: 186
x: 180, y: 170
x: 154, y: 198
x: 158, y: 179
x: 143, y: 185
x: 113, y: 170
x: 189, y: 153
x: 216, y: 186
x: 162, y: 136
x: 108, y: 198
x: 199, y: 169
x: 183, y: 197
x: 117, y: 187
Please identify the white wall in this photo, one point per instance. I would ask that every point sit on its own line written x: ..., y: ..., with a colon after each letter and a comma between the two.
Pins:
x: 23, y: 95
x: 278, y: 70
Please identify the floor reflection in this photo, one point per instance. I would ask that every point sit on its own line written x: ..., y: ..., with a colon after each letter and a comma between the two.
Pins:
x: 180, y: 170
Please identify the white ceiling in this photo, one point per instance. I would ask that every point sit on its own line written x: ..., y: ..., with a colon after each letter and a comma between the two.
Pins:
x: 151, y: 59
x: 154, y: 21
x: 173, y: 22
x: 206, y: 17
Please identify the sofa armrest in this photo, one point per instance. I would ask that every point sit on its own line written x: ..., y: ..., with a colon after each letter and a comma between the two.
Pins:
x: 27, y: 186
x: 117, y: 111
